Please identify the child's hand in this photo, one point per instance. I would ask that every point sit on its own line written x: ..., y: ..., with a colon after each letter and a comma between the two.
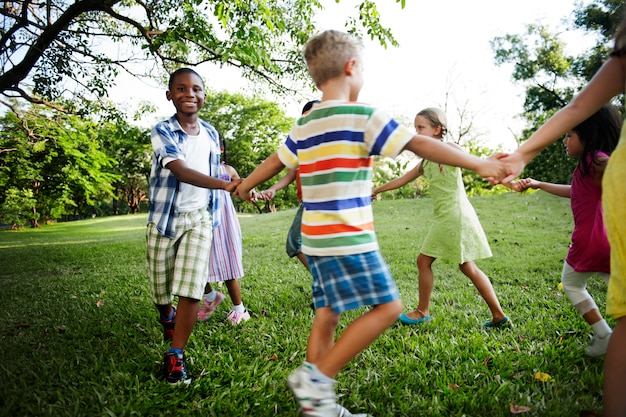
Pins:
x: 267, y: 194
x: 514, y: 165
x: 243, y: 193
x: 232, y: 185
x: 492, y: 169
x: 518, y: 185
x: 530, y: 183
x: 374, y: 194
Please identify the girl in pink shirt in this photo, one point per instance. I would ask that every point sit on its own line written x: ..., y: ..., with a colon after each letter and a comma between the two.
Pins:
x: 592, y: 142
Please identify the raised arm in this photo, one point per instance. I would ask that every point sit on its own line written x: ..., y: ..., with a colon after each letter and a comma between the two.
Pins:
x: 608, y: 82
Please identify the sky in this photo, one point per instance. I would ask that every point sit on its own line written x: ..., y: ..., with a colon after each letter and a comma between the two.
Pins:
x: 444, y: 57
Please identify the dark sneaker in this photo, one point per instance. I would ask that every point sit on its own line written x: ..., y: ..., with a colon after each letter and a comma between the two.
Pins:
x: 168, y: 326
x: 174, y: 369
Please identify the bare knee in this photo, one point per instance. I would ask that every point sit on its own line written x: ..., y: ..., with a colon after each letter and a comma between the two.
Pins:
x: 424, y: 262
x: 390, y: 311
x: 327, y: 318
x: 469, y: 269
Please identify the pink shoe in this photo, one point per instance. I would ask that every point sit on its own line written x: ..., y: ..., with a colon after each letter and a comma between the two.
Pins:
x: 208, y: 308
x: 236, y: 317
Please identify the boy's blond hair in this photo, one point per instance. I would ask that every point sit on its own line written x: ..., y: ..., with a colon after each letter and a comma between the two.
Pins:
x: 327, y: 53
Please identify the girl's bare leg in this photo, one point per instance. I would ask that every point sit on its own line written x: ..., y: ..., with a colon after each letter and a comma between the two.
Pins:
x: 426, y: 283
x: 484, y: 287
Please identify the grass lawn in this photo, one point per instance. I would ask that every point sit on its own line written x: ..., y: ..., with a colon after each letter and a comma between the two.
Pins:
x: 80, y: 336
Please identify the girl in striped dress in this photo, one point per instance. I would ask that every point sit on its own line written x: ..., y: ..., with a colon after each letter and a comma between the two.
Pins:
x: 225, y: 263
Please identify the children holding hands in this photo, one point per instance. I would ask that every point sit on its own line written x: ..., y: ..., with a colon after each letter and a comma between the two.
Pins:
x: 333, y: 146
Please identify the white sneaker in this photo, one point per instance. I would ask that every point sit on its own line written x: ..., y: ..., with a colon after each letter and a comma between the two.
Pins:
x: 598, y: 345
x: 316, y: 399
x: 343, y: 412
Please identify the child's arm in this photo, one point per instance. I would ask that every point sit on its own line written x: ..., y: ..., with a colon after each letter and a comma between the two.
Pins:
x: 606, y: 83
x: 268, y: 168
x: 185, y: 174
x: 561, y: 190
x: 287, y: 179
x: 598, y: 170
x: 234, y: 175
x: 400, y: 181
x: 437, y: 151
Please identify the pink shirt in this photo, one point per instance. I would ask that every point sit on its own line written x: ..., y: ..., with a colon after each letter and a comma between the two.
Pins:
x: 589, y: 251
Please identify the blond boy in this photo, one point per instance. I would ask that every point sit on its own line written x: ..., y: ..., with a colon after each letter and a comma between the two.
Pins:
x: 333, y: 146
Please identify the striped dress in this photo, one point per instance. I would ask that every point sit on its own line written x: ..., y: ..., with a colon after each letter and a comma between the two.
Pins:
x: 332, y: 146
x: 226, y: 250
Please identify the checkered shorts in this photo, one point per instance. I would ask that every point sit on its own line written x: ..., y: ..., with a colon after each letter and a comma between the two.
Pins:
x: 351, y: 281
x: 179, y: 266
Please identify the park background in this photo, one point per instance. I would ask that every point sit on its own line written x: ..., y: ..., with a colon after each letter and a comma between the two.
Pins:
x: 78, y: 329
x: 80, y: 335
x: 74, y: 137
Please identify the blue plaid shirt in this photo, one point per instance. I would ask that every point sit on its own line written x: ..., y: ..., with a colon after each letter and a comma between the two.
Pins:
x: 164, y: 186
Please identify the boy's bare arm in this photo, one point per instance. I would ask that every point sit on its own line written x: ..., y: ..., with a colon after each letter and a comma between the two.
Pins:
x: 268, y: 168
x: 185, y: 174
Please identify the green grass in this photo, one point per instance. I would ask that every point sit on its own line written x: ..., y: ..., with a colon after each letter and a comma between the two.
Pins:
x: 80, y: 337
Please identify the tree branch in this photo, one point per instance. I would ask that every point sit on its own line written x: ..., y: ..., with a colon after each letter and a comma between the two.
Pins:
x: 19, y: 72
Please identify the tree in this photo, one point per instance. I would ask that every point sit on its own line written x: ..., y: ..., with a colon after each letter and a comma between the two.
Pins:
x: 67, y: 53
x: 18, y: 208
x: 55, y: 159
x: 130, y: 147
x: 551, y: 77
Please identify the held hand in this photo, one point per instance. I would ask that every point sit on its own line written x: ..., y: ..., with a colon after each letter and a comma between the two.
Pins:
x: 267, y: 194
x: 514, y: 166
x: 243, y: 193
x: 492, y: 169
x: 516, y: 185
x: 531, y: 183
x: 375, y: 194
x: 232, y: 185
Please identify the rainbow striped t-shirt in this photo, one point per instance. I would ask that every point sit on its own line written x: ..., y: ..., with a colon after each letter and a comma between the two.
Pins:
x: 332, y: 146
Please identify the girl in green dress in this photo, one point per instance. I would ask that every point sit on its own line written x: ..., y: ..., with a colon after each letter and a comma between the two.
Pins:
x: 456, y: 234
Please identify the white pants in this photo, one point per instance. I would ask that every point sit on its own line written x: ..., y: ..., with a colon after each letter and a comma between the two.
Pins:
x: 575, y: 286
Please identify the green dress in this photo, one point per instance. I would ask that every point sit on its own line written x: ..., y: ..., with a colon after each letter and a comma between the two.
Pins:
x: 456, y: 235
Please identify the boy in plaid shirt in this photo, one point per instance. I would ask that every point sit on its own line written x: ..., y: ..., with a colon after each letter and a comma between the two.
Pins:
x: 185, y: 164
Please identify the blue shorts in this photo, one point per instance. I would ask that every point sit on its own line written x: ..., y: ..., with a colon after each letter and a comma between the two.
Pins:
x: 351, y: 281
x: 294, y: 237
